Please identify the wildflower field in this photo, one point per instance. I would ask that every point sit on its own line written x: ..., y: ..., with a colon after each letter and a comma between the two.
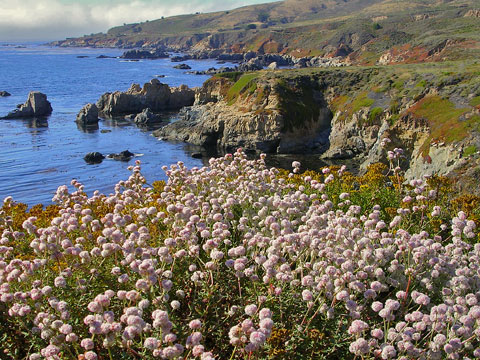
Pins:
x: 240, y: 261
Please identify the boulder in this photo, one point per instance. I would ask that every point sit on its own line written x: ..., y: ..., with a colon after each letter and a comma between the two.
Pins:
x: 36, y: 105
x: 252, y: 65
x: 182, y: 67
x: 88, y: 115
x: 93, y: 157
x: 4, y: 93
x: 272, y: 66
x: 121, y: 156
x: 153, y: 95
x: 180, y: 58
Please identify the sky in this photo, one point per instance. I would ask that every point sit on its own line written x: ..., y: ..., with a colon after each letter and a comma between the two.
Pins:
x: 42, y: 20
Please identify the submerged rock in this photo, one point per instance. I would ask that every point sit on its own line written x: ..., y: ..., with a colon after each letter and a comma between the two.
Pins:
x: 88, y: 128
x: 88, y: 115
x: 182, y: 67
x: 36, y: 105
x: 121, y: 156
x: 94, y: 157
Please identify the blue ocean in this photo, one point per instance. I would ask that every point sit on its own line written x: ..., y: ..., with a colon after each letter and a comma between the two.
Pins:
x: 38, y: 157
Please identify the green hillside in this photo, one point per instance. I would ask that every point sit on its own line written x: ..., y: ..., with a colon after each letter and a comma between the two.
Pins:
x: 403, y: 31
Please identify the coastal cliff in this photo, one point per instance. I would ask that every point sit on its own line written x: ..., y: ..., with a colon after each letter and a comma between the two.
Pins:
x: 433, y: 111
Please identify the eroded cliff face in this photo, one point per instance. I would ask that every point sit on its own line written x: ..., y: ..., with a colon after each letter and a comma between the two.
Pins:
x: 361, y: 142
x: 431, y: 144
x: 256, y: 114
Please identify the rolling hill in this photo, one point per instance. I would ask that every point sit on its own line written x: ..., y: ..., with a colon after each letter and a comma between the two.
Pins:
x: 365, y: 31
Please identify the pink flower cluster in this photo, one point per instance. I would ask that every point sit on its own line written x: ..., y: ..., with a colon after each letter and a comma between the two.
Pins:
x: 142, y: 272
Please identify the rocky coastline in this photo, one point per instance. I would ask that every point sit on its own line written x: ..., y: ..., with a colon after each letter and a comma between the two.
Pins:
x: 334, y: 113
x: 246, y: 61
x: 319, y: 112
x: 337, y: 114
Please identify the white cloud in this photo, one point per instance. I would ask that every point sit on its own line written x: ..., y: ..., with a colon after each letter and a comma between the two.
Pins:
x: 55, y: 20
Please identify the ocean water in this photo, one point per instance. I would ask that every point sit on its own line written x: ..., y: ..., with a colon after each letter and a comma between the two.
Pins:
x: 36, y: 157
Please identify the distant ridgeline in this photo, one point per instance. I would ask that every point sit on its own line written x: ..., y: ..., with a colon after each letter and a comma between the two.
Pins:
x: 360, y: 31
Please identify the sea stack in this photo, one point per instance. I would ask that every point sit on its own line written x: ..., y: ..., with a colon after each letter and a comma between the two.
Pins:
x: 88, y: 115
x: 36, y: 105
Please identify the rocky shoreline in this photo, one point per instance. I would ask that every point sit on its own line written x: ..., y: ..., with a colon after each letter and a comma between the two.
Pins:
x: 337, y: 114
x: 331, y: 113
x: 248, y: 61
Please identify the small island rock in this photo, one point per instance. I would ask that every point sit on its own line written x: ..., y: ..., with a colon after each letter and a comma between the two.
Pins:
x: 182, y: 67
x: 144, y: 54
x: 88, y: 115
x: 4, y: 93
x: 36, y: 105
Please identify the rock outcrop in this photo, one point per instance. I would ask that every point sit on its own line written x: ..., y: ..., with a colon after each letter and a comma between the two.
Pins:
x: 4, y: 93
x: 473, y: 13
x: 88, y: 115
x: 258, y: 122
x: 36, y: 105
x: 273, y: 66
x: 153, y: 95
